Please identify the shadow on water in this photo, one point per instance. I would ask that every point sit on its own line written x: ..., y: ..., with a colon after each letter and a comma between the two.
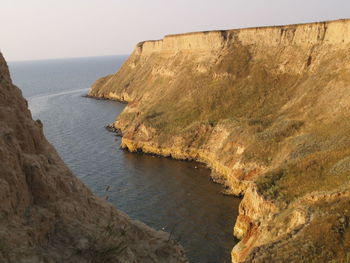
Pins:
x: 164, y: 193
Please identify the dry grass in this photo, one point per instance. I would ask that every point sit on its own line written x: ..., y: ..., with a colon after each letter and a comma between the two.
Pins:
x: 293, y: 113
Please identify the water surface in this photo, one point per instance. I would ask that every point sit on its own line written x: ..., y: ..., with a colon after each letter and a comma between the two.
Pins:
x: 176, y: 196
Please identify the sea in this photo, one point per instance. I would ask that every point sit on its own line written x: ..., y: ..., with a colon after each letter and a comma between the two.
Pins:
x: 166, y: 194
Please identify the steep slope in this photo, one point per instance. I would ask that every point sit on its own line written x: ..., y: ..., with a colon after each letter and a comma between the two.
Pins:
x: 47, y: 214
x: 268, y: 110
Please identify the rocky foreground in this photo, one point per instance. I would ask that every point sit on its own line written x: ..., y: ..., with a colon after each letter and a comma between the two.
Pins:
x: 47, y: 214
x: 268, y: 110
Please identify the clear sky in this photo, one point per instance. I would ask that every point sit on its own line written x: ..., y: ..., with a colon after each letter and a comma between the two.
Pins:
x: 40, y: 29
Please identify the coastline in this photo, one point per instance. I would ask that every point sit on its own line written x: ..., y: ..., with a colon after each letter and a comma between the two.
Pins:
x: 258, y: 106
x: 220, y: 173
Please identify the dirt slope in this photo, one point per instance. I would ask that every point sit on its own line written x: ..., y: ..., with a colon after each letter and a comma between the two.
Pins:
x: 47, y: 214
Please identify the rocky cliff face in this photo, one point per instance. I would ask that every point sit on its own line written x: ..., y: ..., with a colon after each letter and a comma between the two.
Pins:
x: 268, y: 110
x: 47, y: 214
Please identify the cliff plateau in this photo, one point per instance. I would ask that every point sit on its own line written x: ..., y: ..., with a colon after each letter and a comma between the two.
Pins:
x: 47, y: 214
x: 268, y: 110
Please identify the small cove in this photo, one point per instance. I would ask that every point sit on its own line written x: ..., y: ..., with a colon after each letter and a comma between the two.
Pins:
x: 176, y: 196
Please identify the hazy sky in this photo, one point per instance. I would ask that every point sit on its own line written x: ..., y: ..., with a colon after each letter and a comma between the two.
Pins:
x: 40, y: 29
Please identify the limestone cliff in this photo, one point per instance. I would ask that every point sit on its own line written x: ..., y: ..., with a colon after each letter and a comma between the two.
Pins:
x: 268, y: 110
x: 47, y: 214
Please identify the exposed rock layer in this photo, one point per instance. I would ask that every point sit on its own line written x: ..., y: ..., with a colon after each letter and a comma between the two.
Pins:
x: 268, y: 110
x: 47, y: 214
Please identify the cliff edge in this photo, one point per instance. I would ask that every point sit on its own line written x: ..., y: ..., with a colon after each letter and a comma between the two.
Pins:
x: 47, y: 214
x: 268, y: 110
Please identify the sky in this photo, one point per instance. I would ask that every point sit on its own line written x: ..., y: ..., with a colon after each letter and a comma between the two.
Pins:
x: 46, y: 29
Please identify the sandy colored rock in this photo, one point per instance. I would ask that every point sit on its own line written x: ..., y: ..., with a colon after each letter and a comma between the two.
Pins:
x: 47, y: 214
x: 268, y: 110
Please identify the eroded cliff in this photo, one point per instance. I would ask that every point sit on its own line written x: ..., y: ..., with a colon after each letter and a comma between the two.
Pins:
x: 268, y: 110
x: 47, y: 214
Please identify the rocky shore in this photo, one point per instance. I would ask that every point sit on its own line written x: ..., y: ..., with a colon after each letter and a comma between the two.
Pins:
x: 267, y: 109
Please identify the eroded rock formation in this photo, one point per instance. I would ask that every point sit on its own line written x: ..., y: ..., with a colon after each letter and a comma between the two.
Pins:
x: 268, y: 110
x: 47, y: 214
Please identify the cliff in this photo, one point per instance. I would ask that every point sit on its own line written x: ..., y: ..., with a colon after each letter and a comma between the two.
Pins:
x: 268, y: 110
x: 47, y: 214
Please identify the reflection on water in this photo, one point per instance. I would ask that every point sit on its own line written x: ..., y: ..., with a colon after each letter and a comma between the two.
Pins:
x: 163, y: 193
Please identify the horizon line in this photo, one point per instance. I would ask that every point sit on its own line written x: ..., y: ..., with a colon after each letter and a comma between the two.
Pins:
x: 64, y: 58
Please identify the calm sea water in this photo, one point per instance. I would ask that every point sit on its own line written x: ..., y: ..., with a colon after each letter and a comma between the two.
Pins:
x: 164, y: 193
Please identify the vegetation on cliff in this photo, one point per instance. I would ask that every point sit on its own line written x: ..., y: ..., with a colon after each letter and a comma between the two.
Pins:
x: 268, y: 110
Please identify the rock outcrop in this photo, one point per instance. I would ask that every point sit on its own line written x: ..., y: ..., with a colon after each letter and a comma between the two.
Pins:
x: 47, y: 214
x: 268, y: 110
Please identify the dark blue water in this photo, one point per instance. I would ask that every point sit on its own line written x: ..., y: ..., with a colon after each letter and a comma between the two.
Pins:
x: 164, y: 193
